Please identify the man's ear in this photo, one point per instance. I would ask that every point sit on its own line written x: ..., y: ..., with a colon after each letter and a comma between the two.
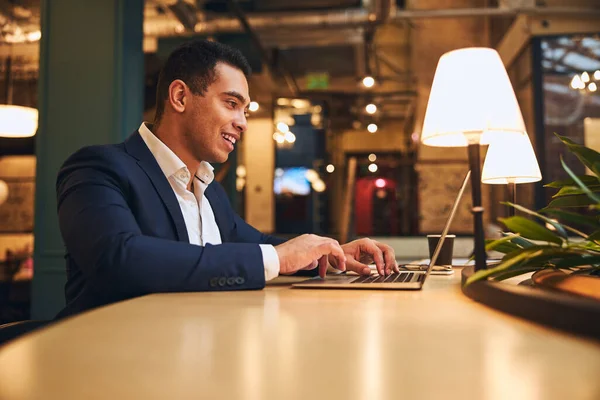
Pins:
x: 177, y: 95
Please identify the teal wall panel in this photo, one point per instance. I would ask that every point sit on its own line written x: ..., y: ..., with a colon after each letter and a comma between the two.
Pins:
x: 90, y: 92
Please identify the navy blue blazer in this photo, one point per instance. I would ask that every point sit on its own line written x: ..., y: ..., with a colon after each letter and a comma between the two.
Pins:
x: 125, y: 235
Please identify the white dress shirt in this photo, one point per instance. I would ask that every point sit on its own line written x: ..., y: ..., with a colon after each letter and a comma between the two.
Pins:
x: 197, y: 213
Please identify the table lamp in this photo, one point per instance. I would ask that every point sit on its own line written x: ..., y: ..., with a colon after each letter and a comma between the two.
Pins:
x: 471, y: 103
x: 509, y: 161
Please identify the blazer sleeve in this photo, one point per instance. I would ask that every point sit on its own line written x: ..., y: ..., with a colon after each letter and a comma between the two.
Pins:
x: 102, y: 236
x: 243, y: 232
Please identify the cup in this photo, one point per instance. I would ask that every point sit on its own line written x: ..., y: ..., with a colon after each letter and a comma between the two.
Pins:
x: 444, y: 258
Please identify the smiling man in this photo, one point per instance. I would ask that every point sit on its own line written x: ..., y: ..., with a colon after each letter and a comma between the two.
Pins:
x: 146, y: 216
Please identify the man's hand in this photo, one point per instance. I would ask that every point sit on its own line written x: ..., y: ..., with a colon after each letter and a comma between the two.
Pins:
x: 361, y: 252
x: 308, y: 251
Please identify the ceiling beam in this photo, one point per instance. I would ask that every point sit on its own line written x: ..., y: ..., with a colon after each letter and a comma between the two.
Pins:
x: 515, y: 40
x: 525, y: 27
x: 236, y: 10
x: 559, y: 25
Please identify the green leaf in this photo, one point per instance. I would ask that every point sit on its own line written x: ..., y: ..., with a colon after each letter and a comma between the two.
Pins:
x: 571, y: 190
x: 536, y: 256
x: 530, y: 230
x: 589, y: 157
x: 594, y: 236
x: 506, y: 263
x: 519, y: 241
x: 588, y: 247
x: 514, y: 272
x: 558, y: 227
x: 587, y: 191
x: 493, y: 244
x: 589, y: 180
x: 580, y: 200
x: 573, y: 217
x: 577, y: 261
x: 506, y: 248
x: 586, y: 271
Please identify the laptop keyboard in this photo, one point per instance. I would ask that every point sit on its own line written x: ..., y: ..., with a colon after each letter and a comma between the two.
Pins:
x: 393, y: 278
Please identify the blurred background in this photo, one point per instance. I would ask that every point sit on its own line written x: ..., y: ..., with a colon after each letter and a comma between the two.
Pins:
x: 333, y: 81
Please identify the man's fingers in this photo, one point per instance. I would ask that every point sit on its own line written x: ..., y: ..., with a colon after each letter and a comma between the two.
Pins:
x: 340, y: 256
x: 389, y: 257
x: 323, y: 263
x: 358, y: 267
x: 333, y: 248
x: 375, y: 252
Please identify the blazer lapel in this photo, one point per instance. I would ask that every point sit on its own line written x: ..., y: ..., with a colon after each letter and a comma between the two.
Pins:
x: 218, y: 210
x: 136, y: 147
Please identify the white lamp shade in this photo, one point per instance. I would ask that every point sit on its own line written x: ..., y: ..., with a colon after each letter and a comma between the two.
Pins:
x: 511, y: 160
x: 17, y: 121
x: 471, y: 100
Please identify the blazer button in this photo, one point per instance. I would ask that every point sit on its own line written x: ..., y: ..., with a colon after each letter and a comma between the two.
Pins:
x: 240, y: 280
x: 230, y: 281
x: 222, y: 281
x: 213, y: 282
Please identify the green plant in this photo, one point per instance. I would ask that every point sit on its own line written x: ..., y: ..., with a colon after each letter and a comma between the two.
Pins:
x: 547, y: 241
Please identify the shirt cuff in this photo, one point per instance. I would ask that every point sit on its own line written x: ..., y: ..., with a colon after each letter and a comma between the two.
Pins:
x: 270, y: 261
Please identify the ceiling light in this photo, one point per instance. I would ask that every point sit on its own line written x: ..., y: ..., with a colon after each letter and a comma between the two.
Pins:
x: 368, y: 81
x: 597, y: 75
x: 300, y: 103
x: 372, y: 157
x: 239, y: 184
x: 240, y: 171
x: 330, y: 168
x: 17, y: 121
x: 278, y: 137
x: 318, y: 185
x: 577, y: 83
x: 311, y: 175
x: 373, y: 167
x: 283, y: 127
x: 371, y: 108
x: 592, y: 87
x: 253, y: 106
x: 585, y: 77
x: 372, y: 128
x: 290, y: 137
x: 34, y: 36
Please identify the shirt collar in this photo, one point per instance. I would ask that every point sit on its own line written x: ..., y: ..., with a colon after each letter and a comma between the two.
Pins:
x: 168, y: 161
x: 205, y: 173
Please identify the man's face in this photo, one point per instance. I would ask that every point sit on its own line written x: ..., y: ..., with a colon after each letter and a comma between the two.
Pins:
x: 215, y: 122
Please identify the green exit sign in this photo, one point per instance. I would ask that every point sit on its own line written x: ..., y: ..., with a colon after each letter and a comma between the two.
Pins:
x: 317, y: 80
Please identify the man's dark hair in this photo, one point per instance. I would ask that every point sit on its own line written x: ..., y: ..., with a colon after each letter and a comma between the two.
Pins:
x: 194, y: 63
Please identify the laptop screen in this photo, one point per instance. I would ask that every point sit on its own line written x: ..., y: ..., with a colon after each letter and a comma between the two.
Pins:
x: 438, y: 248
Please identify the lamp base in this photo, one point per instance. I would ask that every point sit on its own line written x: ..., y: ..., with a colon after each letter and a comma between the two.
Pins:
x: 477, y: 210
x: 512, y: 195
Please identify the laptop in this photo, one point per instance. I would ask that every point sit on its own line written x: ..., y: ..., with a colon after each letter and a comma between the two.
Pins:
x: 405, y: 280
